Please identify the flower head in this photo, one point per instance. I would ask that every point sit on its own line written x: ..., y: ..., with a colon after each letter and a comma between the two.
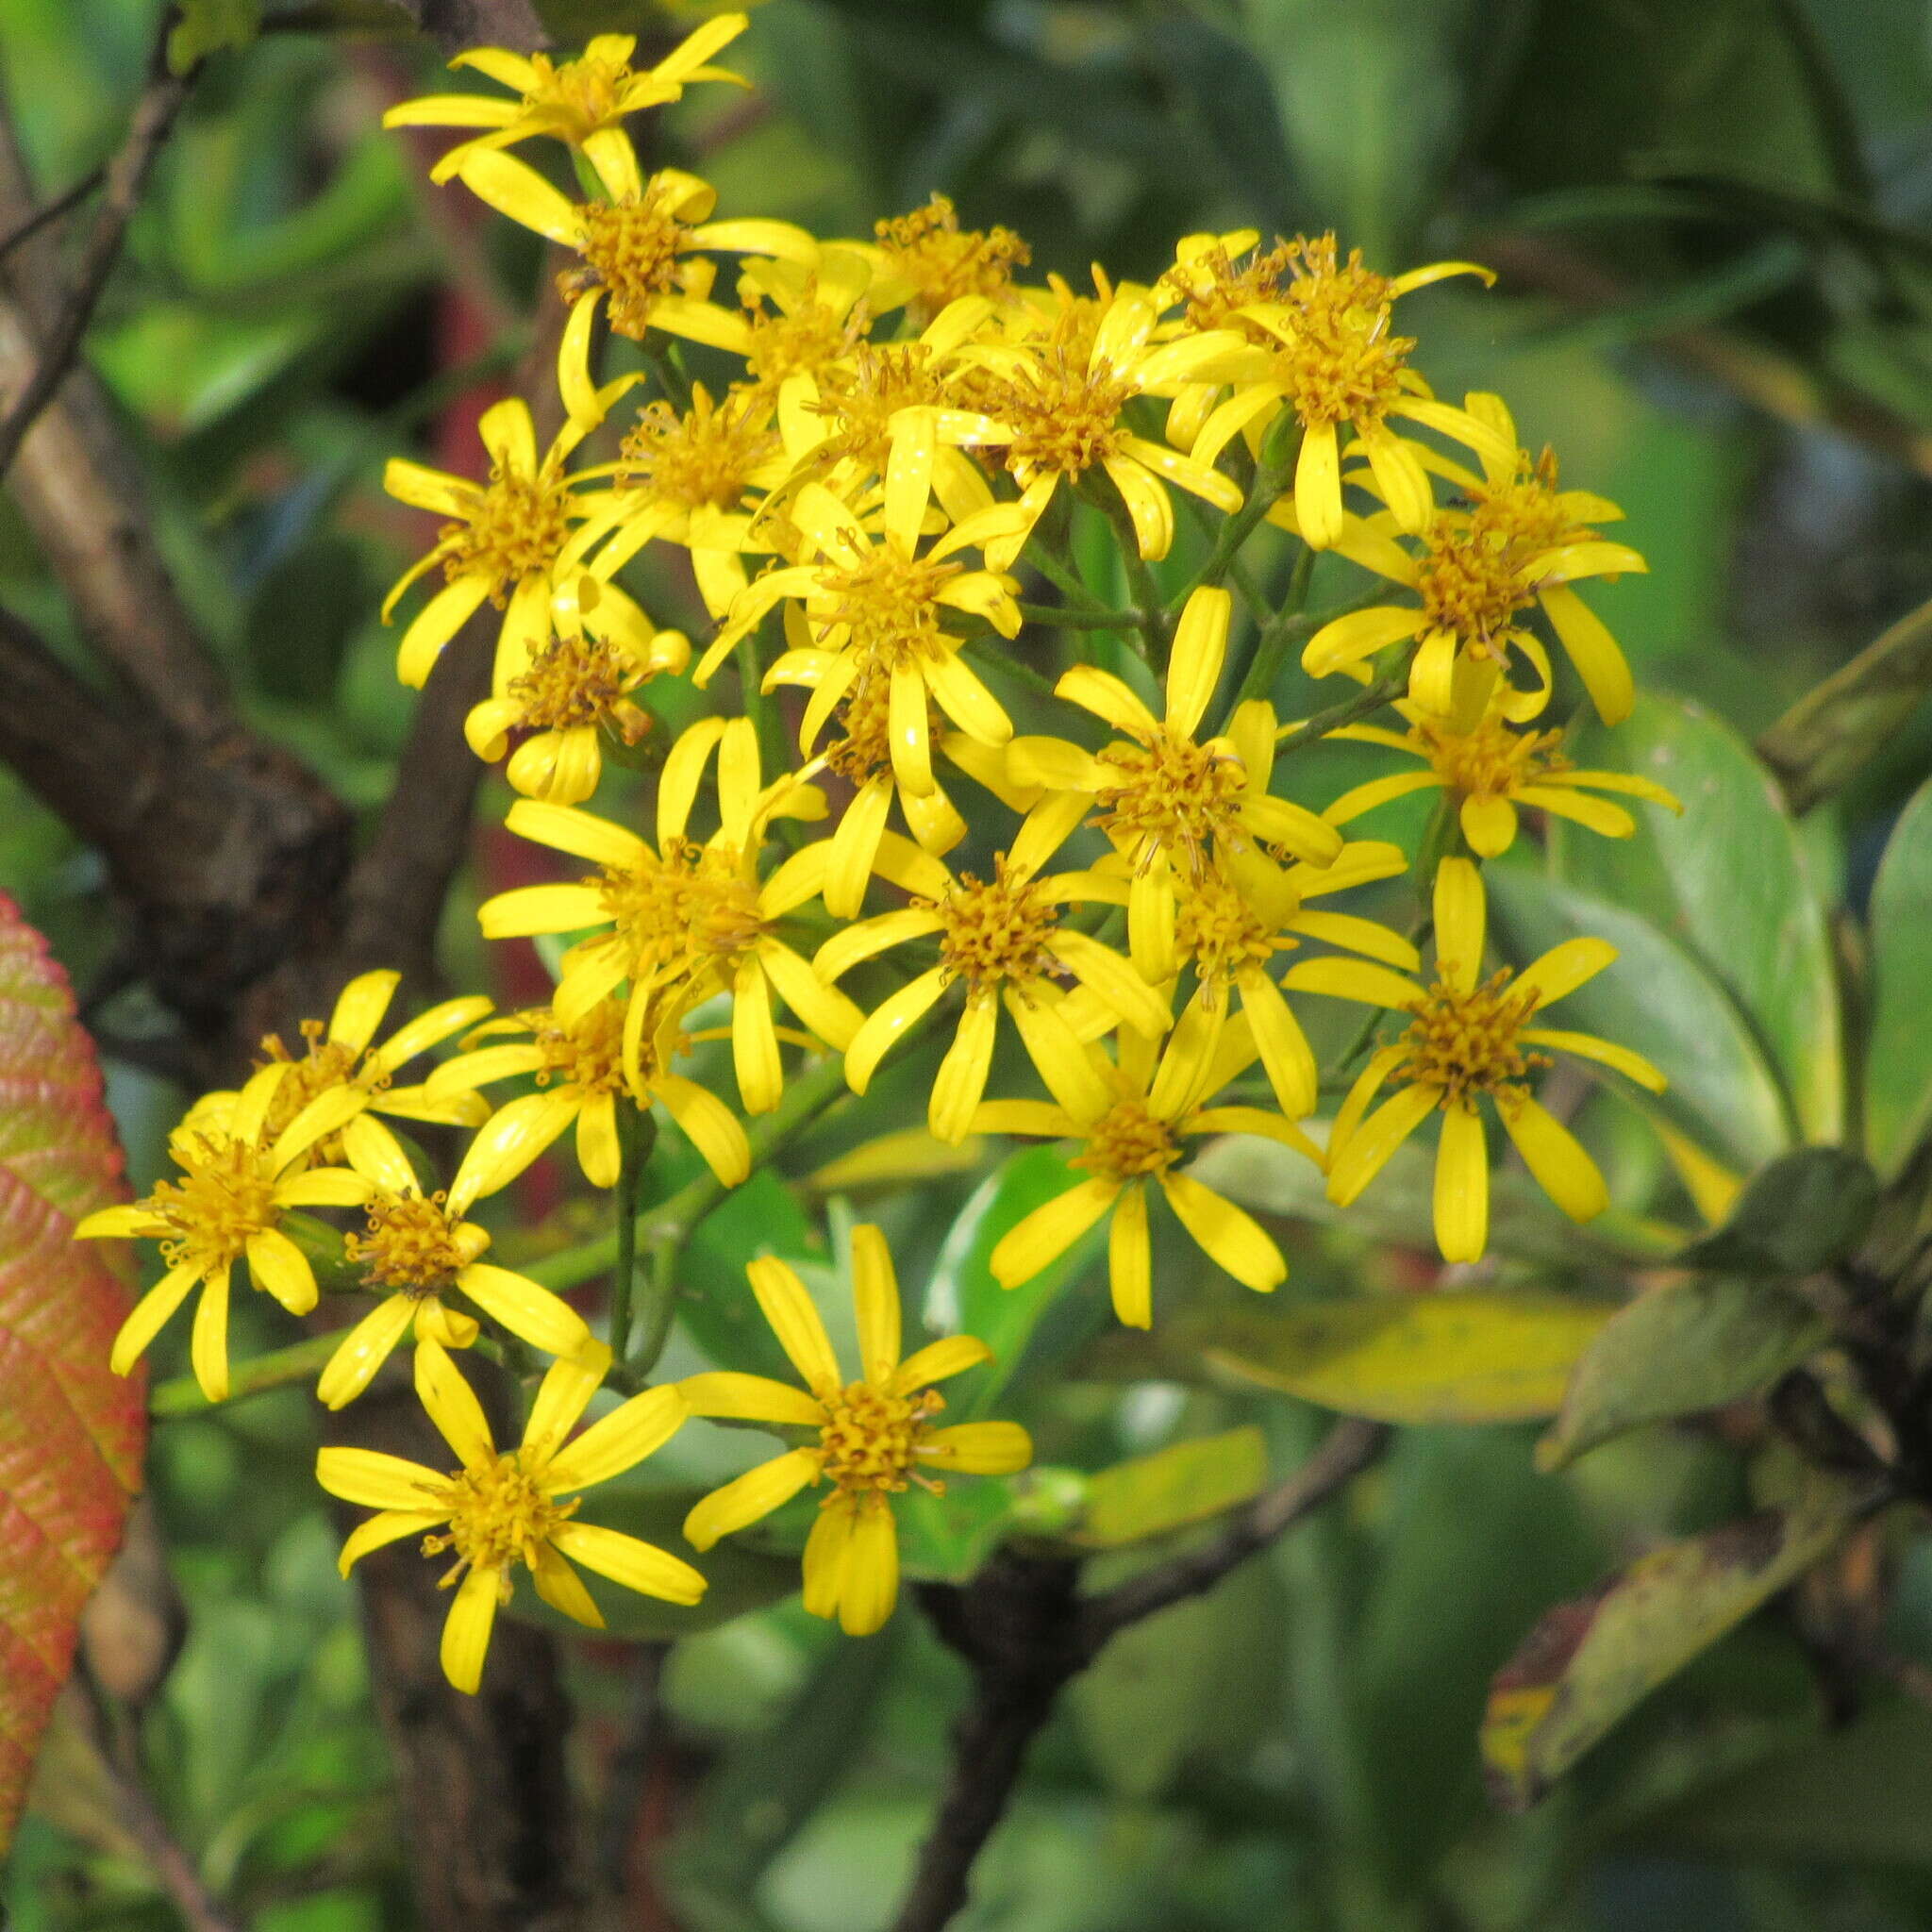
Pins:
x: 1468, y: 1038
x: 873, y: 1438
x: 928, y: 260
x: 506, y: 1510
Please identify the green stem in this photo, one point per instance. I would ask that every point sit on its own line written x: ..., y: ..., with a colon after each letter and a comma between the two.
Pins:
x: 1080, y: 619
x: 636, y: 1131
x: 1310, y: 730
x: 299, y: 1362
x: 1061, y: 576
x: 1272, y: 478
x: 1012, y: 667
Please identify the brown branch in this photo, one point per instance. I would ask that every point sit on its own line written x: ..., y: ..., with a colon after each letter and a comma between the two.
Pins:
x: 455, y: 24
x: 153, y: 115
x: 52, y: 210
x: 1025, y: 1631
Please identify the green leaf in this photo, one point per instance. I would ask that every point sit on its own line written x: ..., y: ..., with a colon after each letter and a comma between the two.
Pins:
x: 714, y: 1301
x: 947, y: 1538
x: 1465, y: 1356
x: 1657, y: 999
x: 1803, y: 1212
x: 1588, y: 1663
x: 1695, y: 1346
x: 71, y: 1432
x: 1898, y: 1062
x: 1187, y: 1483
x: 1728, y: 882
x: 207, y: 26
x: 962, y: 1296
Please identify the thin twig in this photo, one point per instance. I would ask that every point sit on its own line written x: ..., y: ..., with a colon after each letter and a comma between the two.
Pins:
x: 153, y: 115
x: 1024, y: 1629
x: 53, y: 211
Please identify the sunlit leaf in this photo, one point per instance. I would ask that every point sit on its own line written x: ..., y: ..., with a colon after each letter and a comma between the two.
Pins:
x: 1188, y: 1482
x: 1898, y: 1063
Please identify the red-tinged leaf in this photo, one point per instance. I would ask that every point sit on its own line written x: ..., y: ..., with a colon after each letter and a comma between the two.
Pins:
x: 71, y: 1433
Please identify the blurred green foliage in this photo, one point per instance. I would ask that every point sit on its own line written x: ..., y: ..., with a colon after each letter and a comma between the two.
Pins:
x: 1712, y: 226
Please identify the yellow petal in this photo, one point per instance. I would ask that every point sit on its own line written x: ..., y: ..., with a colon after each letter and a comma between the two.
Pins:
x: 754, y: 1039
x: 508, y: 1141
x: 749, y: 1398
x: 280, y: 1268
x: 1599, y: 662
x: 363, y: 1351
x: 466, y: 1629
x: 708, y: 1124
x: 1363, y: 1154
x: 1058, y: 1057
x: 747, y: 1498
x: 516, y: 189
x: 617, y: 1442
x: 563, y: 1589
x: 527, y: 909
x: 360, y: 1007
x: 1553, y: 1155
x: 388, y: 1527
x: 887, y: 1023
x: 378, y: 1481
x: 1563, y: 969
x: 625, y: 1559
x: 600, y: 1153
x: 1131, y: 1260
x: 1200, y: 651
x: 209, y: 1344
x: 562, y: 1396
x: 1462, y: 1186
x: 435, y: 625
x: 795, y: 1322
x: 150, y: 1315
x: 1286, y: 1056
x: 1050, y: 1231
x: 1318, y: 487
x: 826, y: 1550
x: 952, y: 1355
x: 1460, y: 910
x: 961, y: 1081
x: 1379, y: 791
x: 1633, y: 1066
x: 1353, y: 979
x: 876, y: 1298
x: 543, y: 1320
x: 1230, y: 1236
x: 977, y: 1448
x: 872, y: 1571
x: 452, y: 1405
x: 1489, y: 824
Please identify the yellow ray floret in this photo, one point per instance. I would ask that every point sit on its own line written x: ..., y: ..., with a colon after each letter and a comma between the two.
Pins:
x: 506, y: 1510
x: 873, y: 1437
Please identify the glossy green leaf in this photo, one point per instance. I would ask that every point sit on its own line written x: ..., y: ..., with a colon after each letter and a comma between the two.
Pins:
x: 1898, y: 1062
x: 1694, y: 1345
x: 1587, y: 1662
x: 1657, y: 999
x: 1727, y: 881
x: 1802, y: 1212
x: 962, y: 1296
x: 1188, y: 1482
x: 1464, y: 1356
x: 948, y: 1537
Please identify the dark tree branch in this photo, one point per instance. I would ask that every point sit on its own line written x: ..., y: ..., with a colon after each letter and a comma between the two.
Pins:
x: 52, y: 210
x: 455, y: 24
x: 1024, y: 1631
x: 153, y: 115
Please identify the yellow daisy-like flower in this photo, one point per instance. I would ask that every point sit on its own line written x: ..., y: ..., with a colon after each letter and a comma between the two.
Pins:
x: 1327, y: 352
x: 1005, y: 938
x: 638, y: 251
x: 926, y: 261
x: 687, y: 919
x: 873, y: 614
x: 234, y: 1187
x: 579, y: 1072
x: 1519, y: 544
x: 575, y: 692
x: 798, y: 321
x: 1151, y: 1108
x: 1169, y: 799
x: 688, y: 478
x: 1468, y: 1037
x: 1491, y: 771
x: 415, y: 1252
x: 507, y: 1508
x: 502, y: 542
x: 583, y: 102
x: 876, y: 1435
x: 1057, y: 413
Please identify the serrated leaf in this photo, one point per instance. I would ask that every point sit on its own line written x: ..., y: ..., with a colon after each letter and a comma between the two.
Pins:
x: 71, y: 1433
x: 1466, y: 1356
x: 1803, y: 1211
x: 1726, y: 881
x: 1656, y: 998
x: 1189, y: 1482
x: 1589, y: 1662
x: 1678, y: 1350
x: 1898, y: 1062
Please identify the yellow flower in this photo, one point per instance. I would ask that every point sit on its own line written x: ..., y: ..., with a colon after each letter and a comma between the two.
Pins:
x: 1055, y: 413
x: 1136, y: 1137
x: 505, y: 1509
x: 875, y: 1436
x: 234, y: 1187
x: 1520, y: 543
x: 686, y: 919
x: 1229, y: 936
x: 1326, y: 351
x: 638, y: 253
x: 1004, y: 937
x: 798, y: 319
x: 688, y: 479
x: 1468, y: 1035
x: 1490, y: 771
x: 415, y: 1251
x: 583, y: 102
x: 502, y: 541
x: 873, y: 613
x: 575, y: 691
x: 928, y: 260
x: 1169, y: 799
x: 579, y: 1067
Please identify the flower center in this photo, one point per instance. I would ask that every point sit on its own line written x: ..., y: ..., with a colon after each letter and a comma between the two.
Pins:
x: 869, y: 1438
x: 498, y: 1518
x: 1490, y: 761
x: 1172, y: 789
x: 326, y: 1063
x: 807, y: 338
x: 1216, y: 927
x: 514, y: 532
x: 224, y: 1196
x: 1067, y: 417
x: 1468, y: 585
x: 1214, y: 289
x: 632, y: 248
x: 575, y: 681
x: 996, y: 932
x: 890, y: 602
x: 943, y: 261
x: 411, y: 1245
x: 680, y: 913
x: 1340, y: 363
x: 589, y: 1054
x: 863, y: 395
x: 865, y: 745
x: 586, y: 95
x: 1466, y: 1043
x: 1127, y: 1142
x: 701, y: 461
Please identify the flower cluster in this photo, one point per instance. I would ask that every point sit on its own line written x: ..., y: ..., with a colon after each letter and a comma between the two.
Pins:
x: 1109, y: 920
